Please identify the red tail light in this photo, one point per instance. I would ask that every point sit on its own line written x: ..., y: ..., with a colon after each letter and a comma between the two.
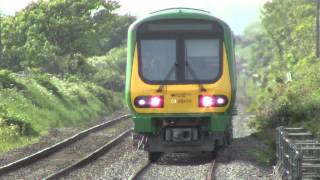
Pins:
x: 156, y: 101
x: 206, y: 101
x: 149, y: 102
x: 212, y: 101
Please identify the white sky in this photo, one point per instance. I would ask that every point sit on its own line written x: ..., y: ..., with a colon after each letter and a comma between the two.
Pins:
x: 237, y: 13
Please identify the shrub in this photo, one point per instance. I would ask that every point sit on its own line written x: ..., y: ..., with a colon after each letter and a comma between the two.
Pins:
x: 8, y: 81
x: 49, y: 102
x: 294, y: 103
x: 16, y: 123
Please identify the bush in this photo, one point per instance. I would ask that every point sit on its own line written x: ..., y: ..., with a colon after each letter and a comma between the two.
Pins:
x: 294, y: 103
x: 49, y: 102
x: 18, y: 125
x: 8, y: 81
x: 110, y: 69
x: 46, y: 83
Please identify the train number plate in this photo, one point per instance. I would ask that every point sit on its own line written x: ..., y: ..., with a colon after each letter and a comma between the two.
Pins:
x: 180, y: 101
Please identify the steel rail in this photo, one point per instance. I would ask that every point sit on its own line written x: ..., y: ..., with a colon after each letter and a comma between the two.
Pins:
x: 212, y: 167
x: 60, y: 145
x: 90, y: 157
x: 140, y: 171
x: 210, y: 175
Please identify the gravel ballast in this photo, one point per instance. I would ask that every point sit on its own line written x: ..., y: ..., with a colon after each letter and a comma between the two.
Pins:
x: 54, y: 135
x: 119, y: 163
x: 235, y: 162
x: 69, y: 154
x: 180, y: 166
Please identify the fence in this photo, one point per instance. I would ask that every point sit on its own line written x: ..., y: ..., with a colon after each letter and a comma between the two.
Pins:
x: 298, y: 154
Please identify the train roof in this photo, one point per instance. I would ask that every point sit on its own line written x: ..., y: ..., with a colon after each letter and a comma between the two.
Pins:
x: 180, y: 9
x: 179, y: 13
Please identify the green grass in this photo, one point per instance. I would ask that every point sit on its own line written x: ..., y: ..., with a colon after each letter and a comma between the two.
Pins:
x: 265, y: 156
x: 30, y: 106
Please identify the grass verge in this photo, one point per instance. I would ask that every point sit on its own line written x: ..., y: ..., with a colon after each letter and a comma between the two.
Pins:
x: 32, y: 104
x: 265, y: 156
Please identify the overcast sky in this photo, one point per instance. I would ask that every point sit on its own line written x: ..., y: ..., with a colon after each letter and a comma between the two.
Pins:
x: 237, y: 13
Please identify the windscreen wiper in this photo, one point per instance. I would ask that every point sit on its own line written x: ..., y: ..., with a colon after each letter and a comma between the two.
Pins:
x: 201, y: 87
x: 167, y: 77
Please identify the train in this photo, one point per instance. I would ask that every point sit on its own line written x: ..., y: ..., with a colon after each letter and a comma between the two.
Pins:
x: 181, y: 81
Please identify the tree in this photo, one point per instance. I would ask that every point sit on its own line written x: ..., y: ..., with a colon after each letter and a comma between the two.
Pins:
x: 282, y: 54
x: 290, y: 25
x: 46, y: 31
x: 117, y: 35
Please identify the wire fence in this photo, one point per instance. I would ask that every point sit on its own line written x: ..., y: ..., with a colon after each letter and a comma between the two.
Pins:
x: 298, y: 154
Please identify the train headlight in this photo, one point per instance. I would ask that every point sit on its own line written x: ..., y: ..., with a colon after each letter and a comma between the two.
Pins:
x: 206, y: 101
x: 156, y: 101
x: 221, y: 100
x: 149, y: 102
x: 212, y: 101
x: 142, y: 102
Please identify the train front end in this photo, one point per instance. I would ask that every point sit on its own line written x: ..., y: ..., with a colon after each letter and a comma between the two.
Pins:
x: 180, y: 84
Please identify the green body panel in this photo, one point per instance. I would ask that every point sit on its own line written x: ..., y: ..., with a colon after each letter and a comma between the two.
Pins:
x: 144, y: 124
x: 180, y: 13
x: 219, y: 123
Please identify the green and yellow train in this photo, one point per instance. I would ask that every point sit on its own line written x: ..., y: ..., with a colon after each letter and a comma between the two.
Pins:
x: 181, y: 81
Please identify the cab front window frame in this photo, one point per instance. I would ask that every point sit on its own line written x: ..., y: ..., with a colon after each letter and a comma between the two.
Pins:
x: 180, y: 71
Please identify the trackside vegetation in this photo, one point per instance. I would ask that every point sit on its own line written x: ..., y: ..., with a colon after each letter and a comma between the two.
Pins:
x: 277, y: 55
x: 62, y: 64
x: 30, y: 104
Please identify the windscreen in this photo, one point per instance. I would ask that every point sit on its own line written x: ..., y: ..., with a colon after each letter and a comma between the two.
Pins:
x: 180, y: 51
x: 157, y: 59
x: 203, y: 60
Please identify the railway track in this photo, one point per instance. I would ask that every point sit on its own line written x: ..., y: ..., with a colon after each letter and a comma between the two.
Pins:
x: 140, y: 171
x: 90, y: 157
x: 138, y: 174
x: 46, y: 154
x: 211, y: 169
x: 28, y: 165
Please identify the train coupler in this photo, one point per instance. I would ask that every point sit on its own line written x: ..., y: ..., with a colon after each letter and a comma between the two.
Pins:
x: 140, y: 141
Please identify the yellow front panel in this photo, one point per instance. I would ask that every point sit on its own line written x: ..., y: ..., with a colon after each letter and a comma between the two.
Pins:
x: 180, y: 98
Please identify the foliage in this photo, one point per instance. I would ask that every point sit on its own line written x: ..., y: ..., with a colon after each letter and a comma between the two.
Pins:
x: 280, y: 60
x: 59, y: 66
x: 8, y: 82
x: 48, y: 102
x: 110, y: 69
x: 117, y: 35
x: 54, y: 35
